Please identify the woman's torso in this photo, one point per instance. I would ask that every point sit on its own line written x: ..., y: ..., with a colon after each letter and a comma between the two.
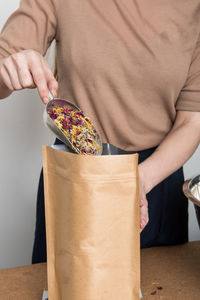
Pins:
x: 125, y: 62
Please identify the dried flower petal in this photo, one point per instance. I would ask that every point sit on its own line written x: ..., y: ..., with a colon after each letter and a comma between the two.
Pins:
x: 153, y: 293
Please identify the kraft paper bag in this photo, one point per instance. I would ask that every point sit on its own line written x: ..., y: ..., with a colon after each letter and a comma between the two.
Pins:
x: 92, y: 225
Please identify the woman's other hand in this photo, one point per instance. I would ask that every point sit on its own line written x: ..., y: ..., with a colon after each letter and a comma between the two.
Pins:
x: 144, y: 215
x: 27, y: 69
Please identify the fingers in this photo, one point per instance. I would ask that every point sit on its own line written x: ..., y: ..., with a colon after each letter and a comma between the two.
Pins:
x: 51, y: 81
x: 43, y: 78
x: 12, y: 72
x: 143, y: 201
x: 24, y: 75
x: 6, y: 78
x: 144, y: 218
x: 28, y: 69
x: 40, y: 82
x: 144, y: 215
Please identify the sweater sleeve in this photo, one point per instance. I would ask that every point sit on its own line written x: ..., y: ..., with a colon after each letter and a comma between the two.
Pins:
x: 189, y: 97
x: 31, y: 26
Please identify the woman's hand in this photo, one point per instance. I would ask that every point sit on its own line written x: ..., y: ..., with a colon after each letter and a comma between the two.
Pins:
x: 27, y: 69
x: 144, y: 216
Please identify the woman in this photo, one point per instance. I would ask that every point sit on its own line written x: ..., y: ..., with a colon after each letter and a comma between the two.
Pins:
x: 134, y: 68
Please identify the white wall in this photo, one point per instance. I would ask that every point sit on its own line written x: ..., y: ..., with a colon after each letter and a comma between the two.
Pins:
x: 22, y: 134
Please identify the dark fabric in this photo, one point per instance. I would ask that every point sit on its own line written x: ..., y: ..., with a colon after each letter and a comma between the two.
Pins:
x: 168, y: 214
x: 39, y: 247
x: 168, y: 211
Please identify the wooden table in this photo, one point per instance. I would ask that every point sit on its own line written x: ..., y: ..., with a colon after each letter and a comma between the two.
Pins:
x: 175, y: 269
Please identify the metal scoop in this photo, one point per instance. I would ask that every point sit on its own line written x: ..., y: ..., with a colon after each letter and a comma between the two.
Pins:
x: 58, y: 132
x: 191, y: 189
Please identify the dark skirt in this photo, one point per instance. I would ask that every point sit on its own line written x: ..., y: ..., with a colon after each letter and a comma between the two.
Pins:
x: 168, y: 214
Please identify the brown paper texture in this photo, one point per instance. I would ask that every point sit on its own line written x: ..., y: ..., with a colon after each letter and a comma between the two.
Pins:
x: 92, y: 224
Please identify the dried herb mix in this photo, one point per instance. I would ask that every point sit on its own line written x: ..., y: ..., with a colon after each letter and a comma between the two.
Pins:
x: 77, y: 128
